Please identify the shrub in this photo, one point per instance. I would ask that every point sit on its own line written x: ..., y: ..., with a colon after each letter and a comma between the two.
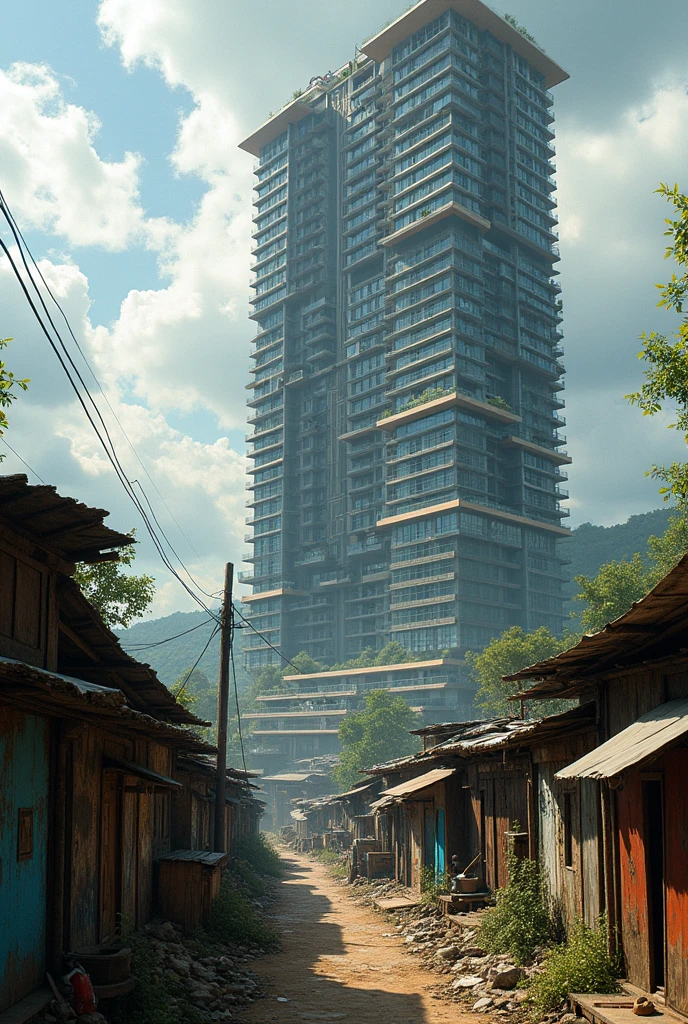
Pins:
x: 261, y: 855
x: 431, y: 886
x: 581, y: 964
x: 248, y: 878
x: 233, y: 919
x: 521, y: 921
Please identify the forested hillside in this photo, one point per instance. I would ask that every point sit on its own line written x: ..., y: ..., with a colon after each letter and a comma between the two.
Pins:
x: 589, y: 547
x: 592, y: 546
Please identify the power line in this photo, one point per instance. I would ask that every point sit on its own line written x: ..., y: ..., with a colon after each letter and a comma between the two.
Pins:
x: 23, y: 462
x: 236, y: 698
x: 191, y: 671
x: 158, y: 643
x: 108, y: 447
x: 265, y: 640
x: 9, y: 216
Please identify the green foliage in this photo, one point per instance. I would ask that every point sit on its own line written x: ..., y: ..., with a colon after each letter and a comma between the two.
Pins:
x: 499, y: 403
x: 431, y: 886
x: 261, y: 855
x: 429, y: 395
x: 234, y: 919
x: 8, y: 385
x: 618, y: 584
x: 391, y: 654
x: 296, y: 93
x: 581, y: 964
x: 513, y: 650
x: 149, y: 1003
x: 519, y: 28
x: 118, y: 596
x: 666, y: 373
x: 612, y: 592
x: 304, y: 665
x: 521, y: 921
x: 378, y: 733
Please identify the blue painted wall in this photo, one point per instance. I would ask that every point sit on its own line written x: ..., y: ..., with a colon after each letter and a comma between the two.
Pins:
x: 23, y: 784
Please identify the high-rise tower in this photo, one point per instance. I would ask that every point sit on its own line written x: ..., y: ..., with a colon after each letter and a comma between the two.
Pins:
x: 406, y: 381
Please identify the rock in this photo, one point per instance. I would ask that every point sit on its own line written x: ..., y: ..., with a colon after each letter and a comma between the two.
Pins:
x: 472, y: 951
x: 468, y: 981
x: 179, y: 966
x: 163, y: 930
x: 91, y: 1018
x: 447, y: 952
x: 505, y: 978
x: 482, y: 1004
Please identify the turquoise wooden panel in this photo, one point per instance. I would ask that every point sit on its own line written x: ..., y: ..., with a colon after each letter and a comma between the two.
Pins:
x: 23, y: 853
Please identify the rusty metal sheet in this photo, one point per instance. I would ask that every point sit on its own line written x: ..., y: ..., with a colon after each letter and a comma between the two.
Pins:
x: 642, y: 741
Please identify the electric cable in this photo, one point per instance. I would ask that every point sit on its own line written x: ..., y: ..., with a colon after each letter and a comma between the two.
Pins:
x: 265, y: 640
x: 158, y: 643
x: 23, y: 461
x: 17, y: 235
x: 191, y: 671
x: 236, y: 698
x: 110, y: 452
x: 9, y: 216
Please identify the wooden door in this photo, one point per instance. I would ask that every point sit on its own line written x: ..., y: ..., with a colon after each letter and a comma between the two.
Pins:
x: 110, y: 857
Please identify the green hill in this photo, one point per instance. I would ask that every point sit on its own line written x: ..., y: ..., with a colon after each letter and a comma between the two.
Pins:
x: 592, y: 546
x: 171, y: 659
x: 589, y: 547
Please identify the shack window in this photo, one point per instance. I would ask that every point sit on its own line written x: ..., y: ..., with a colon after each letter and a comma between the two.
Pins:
x: 568, y: 835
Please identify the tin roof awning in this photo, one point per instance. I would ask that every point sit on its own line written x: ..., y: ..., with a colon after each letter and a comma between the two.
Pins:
x: 412, y: 786
x: 141, y: 772
x: 641, y: 742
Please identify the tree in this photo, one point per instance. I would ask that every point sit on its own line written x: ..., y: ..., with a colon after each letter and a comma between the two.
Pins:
x: 513, y: 650
x: 8, y: 385
x: 377, y: 733
x: 119, y: 597
x: 612, y: 592
x: 666, y: 375
x: 619, y: 584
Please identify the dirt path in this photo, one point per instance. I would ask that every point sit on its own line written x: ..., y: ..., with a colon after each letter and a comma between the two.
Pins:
x: 337, y: 964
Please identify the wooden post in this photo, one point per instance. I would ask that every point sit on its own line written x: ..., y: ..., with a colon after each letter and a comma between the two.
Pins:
x: 222, y: 711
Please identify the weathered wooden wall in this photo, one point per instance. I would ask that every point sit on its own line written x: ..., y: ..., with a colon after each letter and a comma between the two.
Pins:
x: 676, y: 880
x: 28, y: 606
x: 24, y: 749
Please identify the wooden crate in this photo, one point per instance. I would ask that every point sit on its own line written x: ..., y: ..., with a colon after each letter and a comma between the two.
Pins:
x: 188, y: 882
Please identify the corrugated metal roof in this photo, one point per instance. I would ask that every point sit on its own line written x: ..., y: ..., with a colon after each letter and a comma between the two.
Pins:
x: 516, y: 732
x: 294, y: 777
x: 642, y: 741
x: 405, y: 789
x: 654, y: 627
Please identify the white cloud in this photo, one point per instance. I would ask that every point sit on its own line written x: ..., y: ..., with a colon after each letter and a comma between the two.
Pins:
x: 52, y: 175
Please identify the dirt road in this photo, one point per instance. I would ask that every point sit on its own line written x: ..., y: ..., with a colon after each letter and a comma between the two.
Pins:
x: 337, y: 964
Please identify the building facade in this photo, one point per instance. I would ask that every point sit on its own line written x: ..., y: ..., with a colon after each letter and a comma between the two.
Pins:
x: 303, y: 721
x: 406, y: 393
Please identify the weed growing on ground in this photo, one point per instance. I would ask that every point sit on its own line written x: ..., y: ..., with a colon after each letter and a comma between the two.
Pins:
x: 149, y: 1003
x: 432, y: 886
x: 261, y: 855
x: 234, y: 919
x: 582, y: 964
x: 521, y: 920
x: 333, y: 861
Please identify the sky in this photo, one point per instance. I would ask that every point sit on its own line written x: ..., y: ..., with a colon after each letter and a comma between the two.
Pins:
x: 119, y: 127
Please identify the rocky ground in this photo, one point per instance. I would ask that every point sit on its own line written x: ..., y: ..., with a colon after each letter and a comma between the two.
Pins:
x: 481, y: 982
x: 197, y: 980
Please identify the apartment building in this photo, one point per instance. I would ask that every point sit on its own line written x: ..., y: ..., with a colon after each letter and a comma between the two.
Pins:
x: 405, y: 402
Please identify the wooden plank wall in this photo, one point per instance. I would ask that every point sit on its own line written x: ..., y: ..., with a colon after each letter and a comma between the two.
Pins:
x: 634, y: 895
x: 676, y: 880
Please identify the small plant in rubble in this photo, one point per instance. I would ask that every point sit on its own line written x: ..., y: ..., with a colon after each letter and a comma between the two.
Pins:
x: 521, y: 920
x: 581, y: 964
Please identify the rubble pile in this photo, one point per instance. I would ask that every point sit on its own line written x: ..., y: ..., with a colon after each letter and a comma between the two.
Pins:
x: 213, y: 984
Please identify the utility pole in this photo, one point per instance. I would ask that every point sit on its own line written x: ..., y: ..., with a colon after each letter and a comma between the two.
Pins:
x: 222, y: 710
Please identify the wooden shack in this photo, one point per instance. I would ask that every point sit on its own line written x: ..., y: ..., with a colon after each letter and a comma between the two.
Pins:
x: 88, y: 740
x: 622, y: 807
